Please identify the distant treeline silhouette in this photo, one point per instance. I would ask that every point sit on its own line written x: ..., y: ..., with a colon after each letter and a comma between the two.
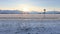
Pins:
x: 10, y: 12
x: 32, y: 12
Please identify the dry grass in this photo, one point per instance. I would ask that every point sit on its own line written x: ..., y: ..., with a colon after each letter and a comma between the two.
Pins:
x: 29, y: 16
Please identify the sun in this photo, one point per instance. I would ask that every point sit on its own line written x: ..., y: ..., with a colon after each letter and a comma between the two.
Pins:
x: 26, y: 9
x: 29, y: 8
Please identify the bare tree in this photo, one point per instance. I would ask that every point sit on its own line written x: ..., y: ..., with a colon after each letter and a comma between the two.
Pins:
x: 44, y: 12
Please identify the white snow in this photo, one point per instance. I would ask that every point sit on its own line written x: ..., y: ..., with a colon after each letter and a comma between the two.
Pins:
x: 26, y: 26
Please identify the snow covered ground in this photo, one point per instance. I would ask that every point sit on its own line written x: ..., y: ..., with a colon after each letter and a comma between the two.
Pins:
x: 29, y: 26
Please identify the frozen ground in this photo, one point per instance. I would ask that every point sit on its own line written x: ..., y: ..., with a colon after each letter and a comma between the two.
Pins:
x: 26, y: 26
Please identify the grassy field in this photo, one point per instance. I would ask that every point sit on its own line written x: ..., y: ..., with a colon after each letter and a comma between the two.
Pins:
x: 29, y: 24
x: 29, y: 16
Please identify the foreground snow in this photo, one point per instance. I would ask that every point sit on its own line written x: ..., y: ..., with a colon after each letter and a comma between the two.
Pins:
x: 29, y: 26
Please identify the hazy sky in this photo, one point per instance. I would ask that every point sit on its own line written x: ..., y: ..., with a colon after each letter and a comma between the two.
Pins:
x: 32, y: 4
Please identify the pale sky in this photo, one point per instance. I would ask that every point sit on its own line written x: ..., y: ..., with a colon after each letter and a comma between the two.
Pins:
x: 30, y: 5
